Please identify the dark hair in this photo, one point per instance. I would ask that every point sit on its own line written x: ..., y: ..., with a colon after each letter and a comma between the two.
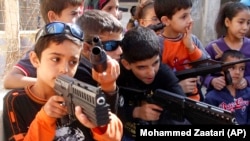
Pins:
x: 140, y: 43
x: 228, y: 10
x: 56, y: 6
x: 232, y: 53
x: 132, y: 10
x: 44, y: 42
x: 95, y: 22
x: 170, y: 7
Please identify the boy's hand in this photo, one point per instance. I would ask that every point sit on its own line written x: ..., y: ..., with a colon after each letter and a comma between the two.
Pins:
x: 188, y: 85
x: 107, y: 80
x: 148, y: 112
x: 54, y: 107
x: 83, y: 118
x: 187, y: 39
x: 218, y: 82
x: 242, y: 84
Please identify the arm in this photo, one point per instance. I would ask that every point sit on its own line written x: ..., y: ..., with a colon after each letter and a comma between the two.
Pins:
x: 16, y: 79
x: 21, y: 75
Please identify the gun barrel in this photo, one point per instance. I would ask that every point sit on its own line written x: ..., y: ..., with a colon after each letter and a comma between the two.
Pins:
x: 98, y: 57
x: 230, y: 64
x: 205, y: 70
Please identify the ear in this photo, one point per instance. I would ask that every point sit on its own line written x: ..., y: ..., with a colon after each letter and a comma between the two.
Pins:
x: 165, y: 20
x: 141, y: 22
x: 227, y: 22
x: 52, y: 16
x: 34, y: 59
x: 126, y: 64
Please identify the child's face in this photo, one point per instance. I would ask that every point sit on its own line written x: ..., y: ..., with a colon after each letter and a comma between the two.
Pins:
x: 237, y: 71
x: 150, y: 18
x: 69, y: 14
x: 239, y: 25
x: 180, y: 21
x: 58, y: 59
x: 112, y: 8
x: 115, y: 54
x: 146, y: 70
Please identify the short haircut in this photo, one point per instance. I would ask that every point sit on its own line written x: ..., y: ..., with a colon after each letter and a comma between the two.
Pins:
x: 56, y: 6
x: 44, y: 42
x: 140, y: 43
x: 96, y: 22
x: 232, y: 53
x: 170, y: 7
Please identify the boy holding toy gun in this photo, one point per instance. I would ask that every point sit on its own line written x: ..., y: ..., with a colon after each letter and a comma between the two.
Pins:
x: 109, y: 30
x: 141, y: 69
x: 230, y: 97
x: 33, y: 113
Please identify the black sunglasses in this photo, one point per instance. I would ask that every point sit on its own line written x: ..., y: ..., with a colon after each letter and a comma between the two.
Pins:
x: 61, y: 28
x: 111, y: 45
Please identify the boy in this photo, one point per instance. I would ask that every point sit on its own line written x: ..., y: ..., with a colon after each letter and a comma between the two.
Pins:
x: 179, y: 45
x: 23, y: 73
x: 230, y: 98
x: 33, y: 113
x: 141, y: 69
x: 109, y: 30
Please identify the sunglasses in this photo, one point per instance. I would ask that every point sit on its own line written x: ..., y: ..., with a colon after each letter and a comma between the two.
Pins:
x: 61, y: 28
x: 111, y: 45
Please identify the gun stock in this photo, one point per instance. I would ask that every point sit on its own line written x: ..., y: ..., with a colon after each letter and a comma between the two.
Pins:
x: 90, y: 98
x: 207, y: 69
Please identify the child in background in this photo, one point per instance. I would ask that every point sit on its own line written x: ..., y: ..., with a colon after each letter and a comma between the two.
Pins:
x: 24, y: 73
x: 109, y: 30
x: 132, y: 22
x: 141, y: 69
x: 178, y: 44
x: 33, y: 113
x: 247, y: 3
x: 232, y: 24
x: 145, y: 14
x: 230, y: 97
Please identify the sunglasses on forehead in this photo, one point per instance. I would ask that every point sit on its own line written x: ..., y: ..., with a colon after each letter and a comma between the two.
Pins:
x: 61, y: 28
x: 111, y: 45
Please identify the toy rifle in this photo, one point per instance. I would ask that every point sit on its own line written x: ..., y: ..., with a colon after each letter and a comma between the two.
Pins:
x: 90, y: 98
x: 208, y: 66
x: 179, y: 107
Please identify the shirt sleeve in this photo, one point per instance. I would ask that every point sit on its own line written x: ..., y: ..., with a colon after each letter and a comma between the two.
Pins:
x: 25, y: 65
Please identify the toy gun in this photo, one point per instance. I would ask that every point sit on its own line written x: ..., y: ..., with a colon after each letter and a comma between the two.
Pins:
x: 98, y: 57
x: 179, y: 107
x: 208, y: 66
x: 90, y: 98
x: 157, y: 27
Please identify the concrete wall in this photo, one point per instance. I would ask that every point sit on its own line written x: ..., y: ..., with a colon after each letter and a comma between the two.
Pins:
x: 204, y: 15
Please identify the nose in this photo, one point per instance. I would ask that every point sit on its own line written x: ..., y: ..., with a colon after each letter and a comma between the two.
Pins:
x: 151, y: 72
x: 64, y: 68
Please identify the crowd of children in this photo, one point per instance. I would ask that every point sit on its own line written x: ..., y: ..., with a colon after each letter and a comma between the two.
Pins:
x: 138, y: 58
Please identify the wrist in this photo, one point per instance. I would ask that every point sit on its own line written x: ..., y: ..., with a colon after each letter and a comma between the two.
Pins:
x: 109, y: 88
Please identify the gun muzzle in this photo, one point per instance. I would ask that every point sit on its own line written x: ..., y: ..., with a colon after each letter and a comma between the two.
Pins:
x: 157, y: 27
x: 98, y: 57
